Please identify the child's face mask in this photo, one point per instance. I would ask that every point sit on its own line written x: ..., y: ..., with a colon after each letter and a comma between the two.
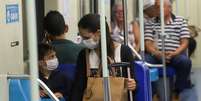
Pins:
x: 52, y: 64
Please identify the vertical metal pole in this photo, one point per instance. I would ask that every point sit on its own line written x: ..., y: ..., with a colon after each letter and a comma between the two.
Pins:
x: 92, y: 6
x: 125, y: 13
x: 106, y: 82
x: 187, y: 9
x: 82, y: 9
x: 141, y: 15
x: 4, y: 88
x: 32, y: 43
x: 124, y: 2
x: 163, y: 47
x: 177, y: 7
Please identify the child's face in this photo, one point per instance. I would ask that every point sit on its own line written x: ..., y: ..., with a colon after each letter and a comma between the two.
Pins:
x: 50, y: 61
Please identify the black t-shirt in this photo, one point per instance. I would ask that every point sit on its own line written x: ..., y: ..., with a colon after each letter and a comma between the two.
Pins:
x: 58, y: 82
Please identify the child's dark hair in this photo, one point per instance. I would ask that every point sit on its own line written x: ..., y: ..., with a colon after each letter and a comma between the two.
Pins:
x: 43, y: 49
x: 91, y: 22
x: 54, y: 23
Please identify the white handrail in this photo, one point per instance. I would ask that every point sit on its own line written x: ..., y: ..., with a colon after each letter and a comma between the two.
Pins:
x: 141, y: 16
x: 140, y: 58
x: 50, y: 93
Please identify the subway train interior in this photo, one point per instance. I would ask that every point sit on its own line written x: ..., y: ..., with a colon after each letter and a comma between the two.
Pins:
x: 100, y: 50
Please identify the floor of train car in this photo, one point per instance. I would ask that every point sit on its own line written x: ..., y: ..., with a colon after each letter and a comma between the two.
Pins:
x: 194, y: 93
x: 174, y: 98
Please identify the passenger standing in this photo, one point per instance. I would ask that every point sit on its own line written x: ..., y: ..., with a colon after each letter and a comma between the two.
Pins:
x: 89, y: 28
x: 66, y: 51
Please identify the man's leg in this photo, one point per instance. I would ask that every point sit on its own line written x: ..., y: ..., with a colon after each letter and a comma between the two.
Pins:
x: 182, y: 65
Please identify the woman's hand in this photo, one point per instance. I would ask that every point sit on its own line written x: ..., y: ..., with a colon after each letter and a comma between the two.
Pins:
x: 58, y: 95
x: 131, y: 84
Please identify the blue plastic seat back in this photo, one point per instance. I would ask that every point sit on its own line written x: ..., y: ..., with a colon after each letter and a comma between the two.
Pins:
x: 68, y: 69
x: 142, y: 76
x: 154, y: 75
x: 19, y: 90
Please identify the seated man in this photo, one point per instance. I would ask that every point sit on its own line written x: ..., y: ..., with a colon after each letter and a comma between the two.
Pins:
x: 176, y: 43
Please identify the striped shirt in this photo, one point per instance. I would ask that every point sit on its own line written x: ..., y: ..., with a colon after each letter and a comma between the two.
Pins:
x: 174, y: 32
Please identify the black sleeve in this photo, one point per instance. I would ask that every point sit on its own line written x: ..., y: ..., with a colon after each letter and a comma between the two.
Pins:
x: 127, y: 56
x: 80, y: 81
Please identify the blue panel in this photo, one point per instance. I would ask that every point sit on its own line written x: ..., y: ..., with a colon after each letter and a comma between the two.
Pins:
x: 143, y: 91
x: 19, y: 90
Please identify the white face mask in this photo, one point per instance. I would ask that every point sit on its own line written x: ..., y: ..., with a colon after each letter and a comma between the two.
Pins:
x: 52, y: 64
x: 90, y: 43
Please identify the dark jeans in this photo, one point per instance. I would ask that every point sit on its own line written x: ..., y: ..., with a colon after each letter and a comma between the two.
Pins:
x: 182, y: 65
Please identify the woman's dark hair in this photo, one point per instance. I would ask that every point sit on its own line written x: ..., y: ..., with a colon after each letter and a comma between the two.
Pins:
x: 91, y: 22
x: 43, y: 49
x: 54, y: 23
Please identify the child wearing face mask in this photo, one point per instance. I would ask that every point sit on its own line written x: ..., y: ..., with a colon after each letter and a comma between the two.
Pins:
x: 89, y: 30
x: 48, y: 73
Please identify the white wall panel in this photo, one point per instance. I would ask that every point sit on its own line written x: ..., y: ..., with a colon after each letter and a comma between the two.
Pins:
x: 11, y: 43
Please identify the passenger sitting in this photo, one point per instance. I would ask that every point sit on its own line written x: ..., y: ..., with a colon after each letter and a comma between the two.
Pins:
x: 176, y: 42
x: 117, y: 28
x: 54, y: 79
x: 89, y: 28
x: 66, y: 51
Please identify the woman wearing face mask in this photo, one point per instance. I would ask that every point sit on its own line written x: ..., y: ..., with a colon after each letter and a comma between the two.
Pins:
x: 89, y: 29
x: 54, y: 79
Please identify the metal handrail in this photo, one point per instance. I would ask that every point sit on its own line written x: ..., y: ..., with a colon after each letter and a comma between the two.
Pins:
x: 140, y: 58
x: 49, y: 92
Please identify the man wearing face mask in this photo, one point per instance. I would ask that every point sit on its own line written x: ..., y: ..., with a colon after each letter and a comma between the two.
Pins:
x: 54, y: 79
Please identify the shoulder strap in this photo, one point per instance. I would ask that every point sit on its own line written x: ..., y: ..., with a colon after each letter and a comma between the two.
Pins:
x: 87, y: 62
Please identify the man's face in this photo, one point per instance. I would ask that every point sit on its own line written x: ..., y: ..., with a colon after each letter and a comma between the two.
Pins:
x: 153, y: 11
x: 119, y: 13
x: 167, y: 9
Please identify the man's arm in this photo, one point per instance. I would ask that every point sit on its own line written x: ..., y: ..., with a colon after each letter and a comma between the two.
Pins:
x: 151, y: 48
x: 181, y: 49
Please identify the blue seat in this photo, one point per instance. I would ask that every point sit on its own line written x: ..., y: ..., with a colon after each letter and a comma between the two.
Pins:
x: 142, y: 76
x: 19, y: 90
